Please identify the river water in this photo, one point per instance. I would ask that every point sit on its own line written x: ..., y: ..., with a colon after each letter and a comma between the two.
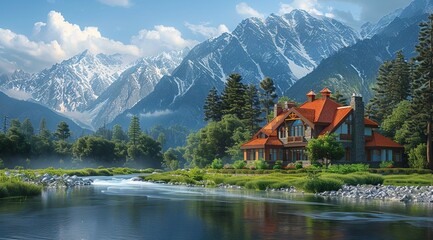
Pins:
x: 118, y: 208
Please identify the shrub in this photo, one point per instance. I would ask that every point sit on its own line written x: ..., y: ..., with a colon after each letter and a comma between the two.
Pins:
x: 261, y: 165
x: 418, y: 157
x: 217, y: 163
x: 386, y: 164
x: 239, y: 164
x: 278, y: 165
x: 298, y: 165
x: 317, y: 185
x: 348, y: 168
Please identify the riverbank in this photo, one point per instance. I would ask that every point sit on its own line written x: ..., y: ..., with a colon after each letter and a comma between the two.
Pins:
x: 30, y: 182
x: 358, y: 185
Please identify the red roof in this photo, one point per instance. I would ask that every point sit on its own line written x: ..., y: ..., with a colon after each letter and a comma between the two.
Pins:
x: 370, y: 123
x: 262, y: 142
x: 340, y: 115
x: 380, y: 141
x: 324, y: 109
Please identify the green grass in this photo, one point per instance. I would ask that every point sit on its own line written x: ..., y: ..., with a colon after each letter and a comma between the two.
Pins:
x: 409, y: 180
x: 307, y: 182
x: 15, y: 187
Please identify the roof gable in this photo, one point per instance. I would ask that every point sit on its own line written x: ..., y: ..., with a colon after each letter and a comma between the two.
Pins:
x: 378, y: 140
x: 341, y: 114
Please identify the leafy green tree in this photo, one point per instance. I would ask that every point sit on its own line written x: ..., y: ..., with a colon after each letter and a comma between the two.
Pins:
x: 268, y: 95
x: 212, y: 141
x: 233, y: 99
x: 104, y: 133
x: 62, y: 132
x: 93, y: 148
x: 161, y: 139
x: 326, y: 148
x: 423, y: 92
x: 217, y: 163
x: 239, y: 137
x: 394, y: 122
x: 212, y: 106
x: 251, y: 109
x: 417, y: 156
x: 146, y: 152
x: 172, y: 159
x: 17, y: 141
x: 118, y: 133
x: 134, y: 130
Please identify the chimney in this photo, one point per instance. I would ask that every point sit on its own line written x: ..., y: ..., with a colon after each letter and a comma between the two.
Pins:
x: 288, y: 105
x: 277, y: 110
x: 311, y: 96
x: 326, y: 93
x: 358, y: 139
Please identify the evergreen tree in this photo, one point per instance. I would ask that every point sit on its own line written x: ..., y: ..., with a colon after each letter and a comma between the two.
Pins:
x: 43, y: 130
x: 233, y: 96
x: 27, y: 130
x: 212, y: 106
x: 392, y: 87
x: 268, y: 95
x: 338, y: 97
x: 118, y: 133
x: 62, y: 132
x: 423, y: 94
x: 251, y: 108
x: 134, y: 130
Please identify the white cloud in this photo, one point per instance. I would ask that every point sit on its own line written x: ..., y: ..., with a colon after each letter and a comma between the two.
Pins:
x: 116, y: 3
x: 247, y: 11
x: 310, y: 6
x: 162, y: 38
x: 206, y: 30
x: 53, y: 42
x: 156, y: 113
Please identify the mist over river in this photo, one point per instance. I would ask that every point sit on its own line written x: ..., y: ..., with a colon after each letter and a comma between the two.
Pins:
x: 119, y: 208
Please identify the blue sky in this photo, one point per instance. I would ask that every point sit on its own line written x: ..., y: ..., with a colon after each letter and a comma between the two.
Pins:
x: 35, y: 34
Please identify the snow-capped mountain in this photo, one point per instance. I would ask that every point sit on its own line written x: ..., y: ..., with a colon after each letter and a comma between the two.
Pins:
x: 72, y: 84
x: 354, y: 69
x: 368, y: 30
x: 133, y: 84
x: 284, y: 48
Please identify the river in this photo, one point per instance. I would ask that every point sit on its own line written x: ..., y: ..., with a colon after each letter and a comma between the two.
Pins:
x: 118, y: 208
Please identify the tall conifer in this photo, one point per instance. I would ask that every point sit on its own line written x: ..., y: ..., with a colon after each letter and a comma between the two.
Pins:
x: 268, y: 95
x: 233, y: 99
x: 212, y: 106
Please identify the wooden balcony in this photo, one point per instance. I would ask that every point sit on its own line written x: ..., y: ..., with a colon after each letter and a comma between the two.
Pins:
x: 293, y: 139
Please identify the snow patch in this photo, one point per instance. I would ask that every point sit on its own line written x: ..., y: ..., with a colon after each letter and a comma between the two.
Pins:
x: 297, y: 70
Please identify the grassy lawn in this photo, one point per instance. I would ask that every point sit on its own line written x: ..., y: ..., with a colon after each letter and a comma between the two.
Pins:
x: 308, y: 182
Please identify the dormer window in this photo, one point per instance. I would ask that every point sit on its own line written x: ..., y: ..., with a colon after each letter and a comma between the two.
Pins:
x: 297, y: 128
x: 282, y: 132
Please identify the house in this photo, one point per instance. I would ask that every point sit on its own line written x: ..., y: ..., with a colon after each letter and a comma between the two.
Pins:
x: 285, y: 137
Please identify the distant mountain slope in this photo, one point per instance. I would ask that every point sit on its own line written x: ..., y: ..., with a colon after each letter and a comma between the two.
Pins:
x: 13, y: 108
x: 70, y: 85
x: 354, y: 69
x: 133, y: 84
x: 284, y: 48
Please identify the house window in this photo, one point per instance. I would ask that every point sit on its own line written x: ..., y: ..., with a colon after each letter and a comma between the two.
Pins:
x: 297, y: 129
x: 298, y: 154
x: 282, y: 132
x: 261, y: 154
x: 252, y: 154
x: 375, y: 155
x: 273, y: 154
x: 368, y: 131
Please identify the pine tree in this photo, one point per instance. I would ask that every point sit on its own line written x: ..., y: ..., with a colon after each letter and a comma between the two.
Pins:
x: 118, y: 133
x: 252, y: 109
x: 212, y: 106
x: 268, y: 95
x: 62, y: 132
x: 392, y: 87
x: 43, y: 130
x: 338, y: 97
x: 232, y: 97
x: 423, y: 94
x: 27, y: 130
x: 134, y: 130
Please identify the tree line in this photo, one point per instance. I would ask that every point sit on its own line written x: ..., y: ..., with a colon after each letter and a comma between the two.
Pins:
x: 403, y: 99
x: 21, y: 145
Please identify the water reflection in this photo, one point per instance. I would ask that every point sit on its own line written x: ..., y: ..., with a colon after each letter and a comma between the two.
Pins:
x: 117, y: 208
